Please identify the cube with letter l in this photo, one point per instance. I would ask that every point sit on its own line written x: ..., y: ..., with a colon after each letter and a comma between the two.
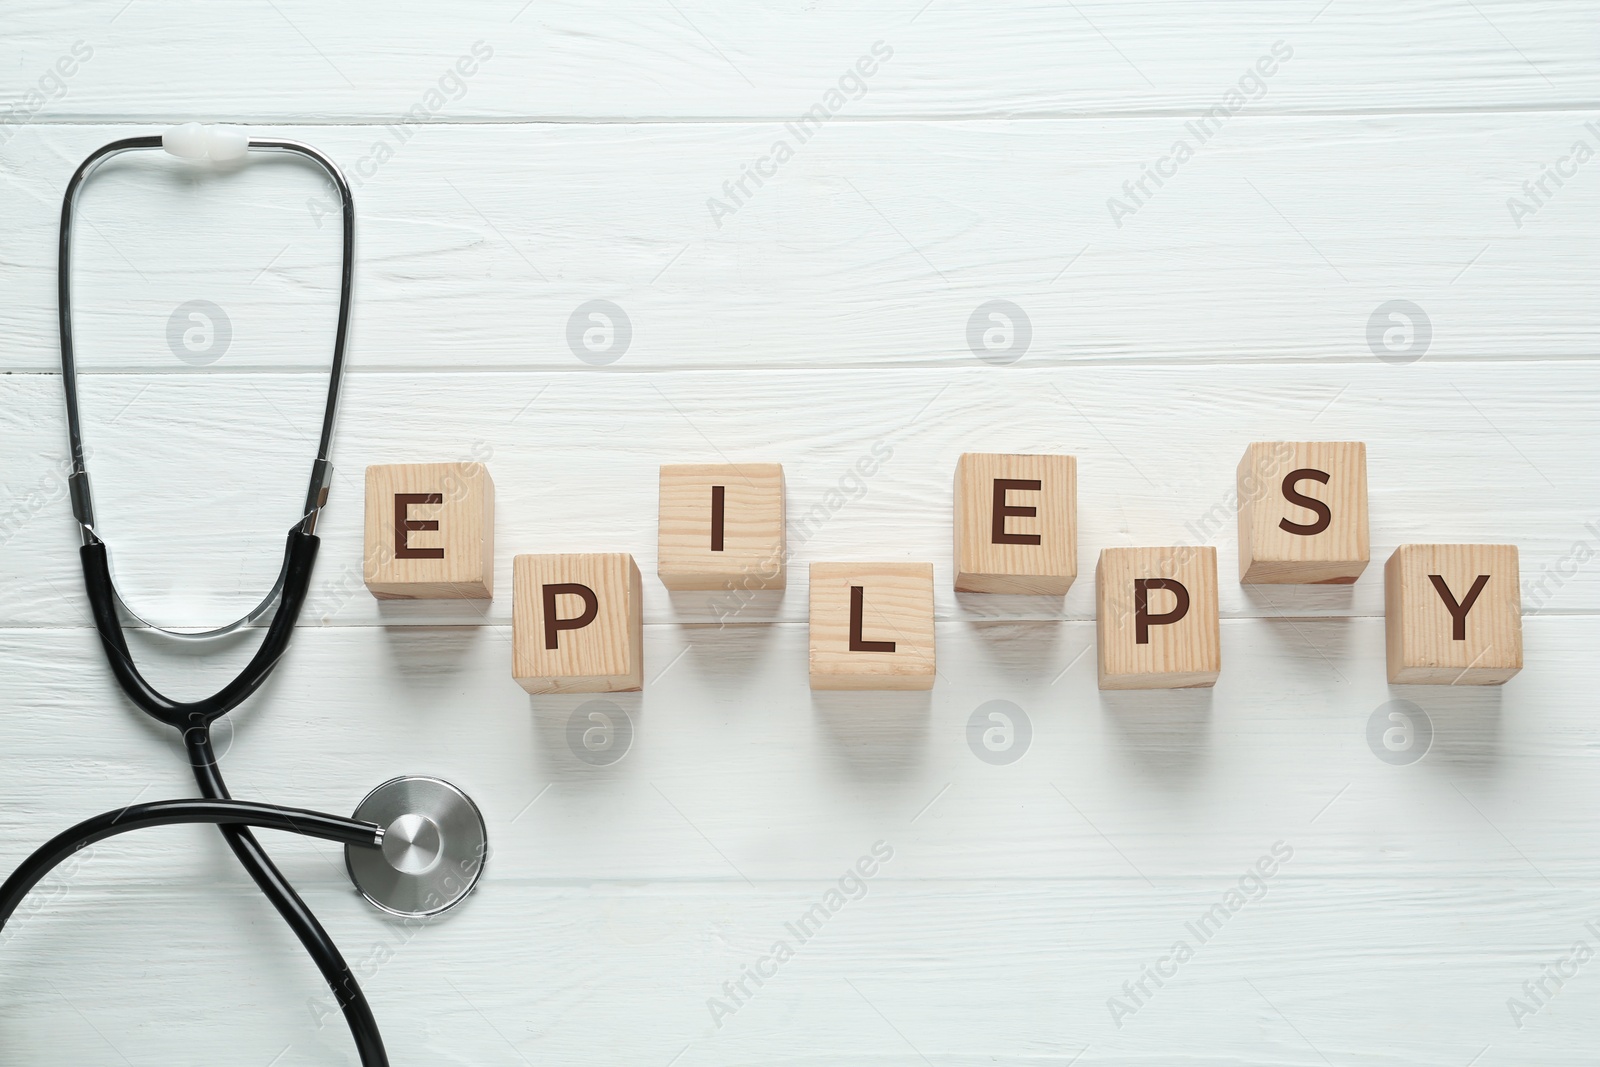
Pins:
x: 872, y: 626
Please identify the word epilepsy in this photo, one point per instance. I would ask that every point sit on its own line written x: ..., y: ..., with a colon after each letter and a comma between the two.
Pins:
x: 1452, y: 611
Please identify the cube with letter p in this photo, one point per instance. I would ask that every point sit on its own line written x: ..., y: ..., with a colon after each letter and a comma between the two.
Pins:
x: 429, y: 532
x: 1157, y: 619
x: 1016, y: 526
x: 576, y: 623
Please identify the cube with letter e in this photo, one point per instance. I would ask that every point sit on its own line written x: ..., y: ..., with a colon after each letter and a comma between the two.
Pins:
x: 1453, y: 614
x: 1157, y: 619
x: 1303, y: 513
x: 429, y: 532
x: 576, y: 623
x: 1016, y: 525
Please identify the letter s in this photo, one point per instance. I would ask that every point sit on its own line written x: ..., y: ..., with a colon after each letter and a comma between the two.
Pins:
x: 1294, y: 496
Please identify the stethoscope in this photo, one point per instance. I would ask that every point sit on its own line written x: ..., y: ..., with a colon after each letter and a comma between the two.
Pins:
x: 415, y: 845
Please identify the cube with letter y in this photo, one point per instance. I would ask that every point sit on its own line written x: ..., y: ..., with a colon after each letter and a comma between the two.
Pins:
x: 429, y: 532
x: 1303, y: 513
x: 872, y: 626
x: 1453, y: 614
x: 1157, y: 619
x: 576, y: 623
x: 1016, y: 526
x: 721, y: 526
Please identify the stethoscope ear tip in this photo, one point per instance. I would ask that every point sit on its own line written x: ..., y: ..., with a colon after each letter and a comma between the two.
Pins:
x: 433, y: 849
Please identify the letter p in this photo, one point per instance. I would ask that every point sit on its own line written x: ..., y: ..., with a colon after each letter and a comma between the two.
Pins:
x: 1142, y: 619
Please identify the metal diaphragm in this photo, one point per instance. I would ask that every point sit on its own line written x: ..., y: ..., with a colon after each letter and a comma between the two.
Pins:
x: 434, y: 847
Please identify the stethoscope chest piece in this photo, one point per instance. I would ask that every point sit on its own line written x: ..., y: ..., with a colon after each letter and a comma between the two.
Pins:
x: 434, y: 847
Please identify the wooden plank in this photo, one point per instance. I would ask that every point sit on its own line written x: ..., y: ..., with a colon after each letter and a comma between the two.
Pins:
x: 897, y: 242
x: 1046, y: 883
x: 727, y: 740
x: 1468, y: 452
x: 570, y: 61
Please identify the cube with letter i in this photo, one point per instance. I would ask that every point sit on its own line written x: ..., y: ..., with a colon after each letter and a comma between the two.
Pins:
x: 1453, y: 614
x: 1016, y: 526
x: 721, y: 526
x: 1157, y: 620
x: 872, y: 626
x: 576, y: 623
x: 429, y: 532
x: 1303, y: 513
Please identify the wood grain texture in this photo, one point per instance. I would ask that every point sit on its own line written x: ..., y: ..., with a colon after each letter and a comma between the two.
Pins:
x: 1021, y: 537
x: 871, y: 626
x: 480, y: 245
x: 1285, y: 541
x: 868, y: 461
x: 1156, y: 621
x: 603, y: 890
x: 438, y: 544
x: 1472, y: 638
x: 721, y: 526
x: 576, y: 623
x: 568, y: 61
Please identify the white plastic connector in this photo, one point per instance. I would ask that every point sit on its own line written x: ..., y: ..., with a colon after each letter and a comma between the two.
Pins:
x: 195, y: 141
x: 224, y: 143
x: 187, y: 141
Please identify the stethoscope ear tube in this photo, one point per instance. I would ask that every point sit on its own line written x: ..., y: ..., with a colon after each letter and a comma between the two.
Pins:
x: 216, y: 143
x: 299, y: 555
x: 194, y: 718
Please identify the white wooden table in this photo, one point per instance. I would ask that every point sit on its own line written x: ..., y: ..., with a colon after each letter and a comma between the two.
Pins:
x: 822, y: 314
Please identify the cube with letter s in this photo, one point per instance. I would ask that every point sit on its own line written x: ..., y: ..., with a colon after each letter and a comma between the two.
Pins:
x: 1303, y: 513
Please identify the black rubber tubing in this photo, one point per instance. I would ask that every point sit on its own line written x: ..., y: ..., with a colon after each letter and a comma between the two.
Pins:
x: 299, y: 554
x: 193, y: 719
x: 61, y: 847
x: 276, y: 888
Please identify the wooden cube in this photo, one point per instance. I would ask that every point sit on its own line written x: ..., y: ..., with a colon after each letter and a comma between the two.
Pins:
x: 1303, y: 513
x: 872, y: 626
x: 1016, y: 524
x: 721, y: 526
x: 1157, y: 619
x: 576, y: 623
x: 1453, y: 614
x: 429, y: 532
